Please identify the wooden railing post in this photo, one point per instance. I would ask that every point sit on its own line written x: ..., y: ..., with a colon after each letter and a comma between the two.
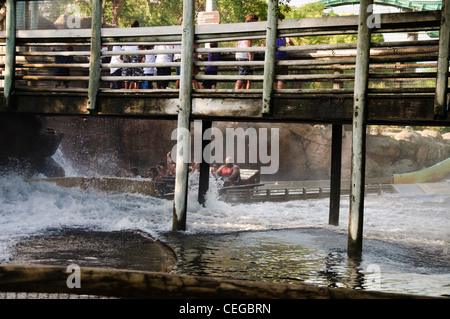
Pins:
x: 184, y: 115
x: 360, y: 102
x: 10, y: 54
x: 269, y: 57
x: 440, y: 99
x: 203, y: 183
x: 94, y: 64
x: 335, y: 181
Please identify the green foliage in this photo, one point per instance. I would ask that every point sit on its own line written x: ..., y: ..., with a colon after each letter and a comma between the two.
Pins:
x: 235, y: 11
x: 149, y: 13
x: 170, y: 12
x: 317, y: 10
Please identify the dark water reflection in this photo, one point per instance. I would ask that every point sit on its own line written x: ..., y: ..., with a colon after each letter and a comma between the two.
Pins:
x: 314, y: 256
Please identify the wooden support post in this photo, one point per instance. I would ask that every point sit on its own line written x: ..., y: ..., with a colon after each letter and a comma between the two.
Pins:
x: 94, y: 65
x: 269, y: 58
x: 248, y: 196
x: 355, y: 227
x: 440, y: 99
x: 184, y: 115
x: 335, y: 181
x: 10, y: 54
x: 286, y: 194
x: 203, y: 184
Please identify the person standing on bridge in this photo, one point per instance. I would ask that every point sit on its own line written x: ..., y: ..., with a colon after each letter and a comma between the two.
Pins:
x: 211, y: 70
x: 116, y: 59
x: 132, y: 58
x: 282, y: 55
x: 245, y: 56
x: 165, y: 70
x: 61, y: 71
x: 195, y: 69
x: 149, y: 71
x: 177, y: 58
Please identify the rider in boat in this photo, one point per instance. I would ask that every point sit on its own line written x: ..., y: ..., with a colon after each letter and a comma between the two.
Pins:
x: 229, y: 172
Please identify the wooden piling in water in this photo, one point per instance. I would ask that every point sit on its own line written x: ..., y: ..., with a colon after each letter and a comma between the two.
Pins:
x: 269, y: 58
x: 355, y: 227
x: 335, y: 180
x: 94, y: 64
x: 184, y: 115
x: 203, y: 184
x: 10, y: 54
x: 440, y: 99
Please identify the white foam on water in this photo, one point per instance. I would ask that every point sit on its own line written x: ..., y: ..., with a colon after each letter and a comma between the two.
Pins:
x: 33, y: 208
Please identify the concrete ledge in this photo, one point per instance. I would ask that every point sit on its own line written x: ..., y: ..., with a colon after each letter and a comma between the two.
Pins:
x: 107, y: 184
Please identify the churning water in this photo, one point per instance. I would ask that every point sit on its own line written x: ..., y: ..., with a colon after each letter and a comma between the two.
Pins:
x: 406, y: 243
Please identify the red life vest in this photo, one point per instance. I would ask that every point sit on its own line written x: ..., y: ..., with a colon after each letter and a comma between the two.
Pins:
x: 227, y: 171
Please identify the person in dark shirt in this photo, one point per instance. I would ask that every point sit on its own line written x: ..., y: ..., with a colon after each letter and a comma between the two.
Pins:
x: 282, y: 55
x: 211, y: 70
x: 62, y: 71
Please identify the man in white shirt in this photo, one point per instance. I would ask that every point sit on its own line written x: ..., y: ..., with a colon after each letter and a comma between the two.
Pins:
x: 133, y: 58
x: 116, y: 59
x: 177, y: 58
x: 149, y: 71
x: 162, y: 71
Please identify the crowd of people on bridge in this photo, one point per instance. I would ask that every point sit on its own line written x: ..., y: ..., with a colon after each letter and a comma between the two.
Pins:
x: 129, y: 71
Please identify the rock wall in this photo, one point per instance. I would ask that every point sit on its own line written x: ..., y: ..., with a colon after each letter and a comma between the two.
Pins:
x: 27, y: 148
x: 105, y: 146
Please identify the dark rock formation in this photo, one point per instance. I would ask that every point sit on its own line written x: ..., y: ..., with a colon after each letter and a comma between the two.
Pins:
x: 104, y: 146
x: 27, y: 148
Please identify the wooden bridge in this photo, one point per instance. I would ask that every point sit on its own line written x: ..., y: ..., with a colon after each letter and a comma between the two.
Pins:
x: 404, y: 82
x: 398, y: 88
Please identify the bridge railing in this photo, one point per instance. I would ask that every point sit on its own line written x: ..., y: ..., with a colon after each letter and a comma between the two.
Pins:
x: 395, y: 67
